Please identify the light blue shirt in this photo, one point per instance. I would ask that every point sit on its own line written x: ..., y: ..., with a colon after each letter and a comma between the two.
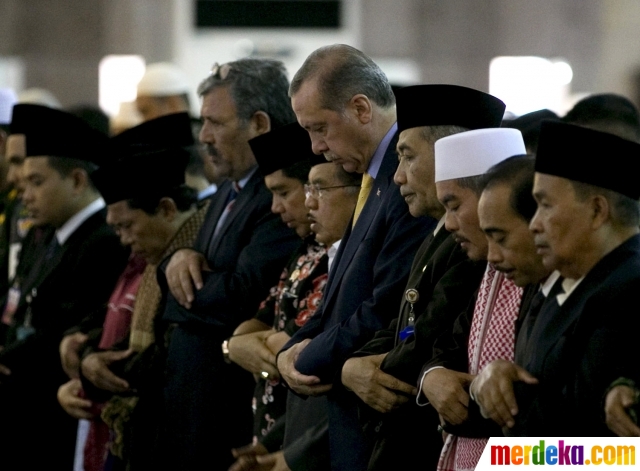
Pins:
x: 378, y: 155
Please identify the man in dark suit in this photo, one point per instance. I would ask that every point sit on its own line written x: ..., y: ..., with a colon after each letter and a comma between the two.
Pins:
x: 237, y: 257
x: 505, y: 211
x: 442, y: 282
x: 70, y: 274
x: 583, y: 339
x: 345, y: 102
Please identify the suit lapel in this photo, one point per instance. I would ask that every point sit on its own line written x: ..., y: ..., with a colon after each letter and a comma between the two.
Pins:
x: 554, y: 321
x: 354, y: 237
x: 242, y: 200
x: 48, y: 266
x: 420, y: 266
x: 216, y: 207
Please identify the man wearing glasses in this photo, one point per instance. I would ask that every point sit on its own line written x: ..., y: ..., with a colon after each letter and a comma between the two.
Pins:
x: 238, y: 255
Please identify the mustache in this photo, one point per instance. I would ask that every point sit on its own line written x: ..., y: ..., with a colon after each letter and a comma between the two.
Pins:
x: 211, y: 150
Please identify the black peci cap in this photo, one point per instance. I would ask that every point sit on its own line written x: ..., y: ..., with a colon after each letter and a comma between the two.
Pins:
x: 151, y: 160
x: 56, y: 133
x: 447, y: 105
x: 588, y: 156
x: 282, y: 148
x: 166, y: 132
x: 152, y: 174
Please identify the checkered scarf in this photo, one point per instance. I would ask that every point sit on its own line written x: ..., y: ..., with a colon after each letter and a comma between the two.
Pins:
x: 492, y: 337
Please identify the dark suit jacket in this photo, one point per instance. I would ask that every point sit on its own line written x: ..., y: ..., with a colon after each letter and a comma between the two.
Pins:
x: 451, y: 351
x: 361, y: 297
x: 578, y: 349
x: 385, y: 339
x: 446, y: 285
x: 208, y: 401
x: 76, y: 280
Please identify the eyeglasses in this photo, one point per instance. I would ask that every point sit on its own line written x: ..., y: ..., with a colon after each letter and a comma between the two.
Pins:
x: 220, y: 71
x: 316, y: 191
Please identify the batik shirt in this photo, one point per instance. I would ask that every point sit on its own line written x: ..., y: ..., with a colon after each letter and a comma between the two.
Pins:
x: 289, y: 305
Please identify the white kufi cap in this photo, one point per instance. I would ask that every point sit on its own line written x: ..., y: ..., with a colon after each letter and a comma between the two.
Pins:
x: 163, y: 79
x: 8, y: 98
x: 472, y: 153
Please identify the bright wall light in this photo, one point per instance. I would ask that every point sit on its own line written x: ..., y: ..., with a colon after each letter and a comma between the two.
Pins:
x: 528, y: 83
x: 117, y: 79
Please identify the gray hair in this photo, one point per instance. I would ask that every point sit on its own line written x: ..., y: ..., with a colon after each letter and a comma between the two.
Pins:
x: 433, y: 133
x: 256, y: 85
x: 624, y: 210
x: 342, y: 72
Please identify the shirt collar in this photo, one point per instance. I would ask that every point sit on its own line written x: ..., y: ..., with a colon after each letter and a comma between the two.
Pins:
x: 208, y: 191
x: 569, y: 285
x: 547, y: 284
x: 75, y: 221
x: 378, y: 155
x: 331, y: 253
x: 439, y: 226
x: 243, y: 181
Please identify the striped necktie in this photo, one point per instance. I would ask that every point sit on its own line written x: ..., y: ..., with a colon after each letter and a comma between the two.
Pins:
x: 365, y: 189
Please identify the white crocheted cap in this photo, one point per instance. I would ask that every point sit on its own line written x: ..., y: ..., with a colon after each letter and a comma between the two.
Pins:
x: 472, y: 153
x: 8, y: 98
x: 163, y: 79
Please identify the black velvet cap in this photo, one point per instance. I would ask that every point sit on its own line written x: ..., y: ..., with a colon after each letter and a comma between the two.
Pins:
x: 151, y: 174
x: 588, y: 156
x: 447, y: 105
x: 150, y: 160
x: 282, y: 148
x: 166, y: 132
x: 56, y: 133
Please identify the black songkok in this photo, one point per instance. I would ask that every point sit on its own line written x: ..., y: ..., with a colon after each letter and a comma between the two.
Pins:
x: 588, y: 156
x: 166, y: 132
x: 55, y: 133
x: 283, y: 147
x: 447, y: 105
x: 151, y: 160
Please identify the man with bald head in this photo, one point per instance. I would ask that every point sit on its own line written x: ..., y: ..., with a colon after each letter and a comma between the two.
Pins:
x: 343, y: 99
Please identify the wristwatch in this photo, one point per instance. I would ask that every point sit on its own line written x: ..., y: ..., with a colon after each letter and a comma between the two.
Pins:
x: 225, y: 351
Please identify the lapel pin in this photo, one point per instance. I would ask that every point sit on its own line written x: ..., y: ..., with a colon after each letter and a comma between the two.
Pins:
x: 378, y: 192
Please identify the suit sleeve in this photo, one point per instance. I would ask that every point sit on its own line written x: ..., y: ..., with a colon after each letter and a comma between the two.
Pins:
x: 327, y: 352
x: 382, y: 342
x: 450, y: 296
x: 232, y: 295
x: 450, y: 349
x: 87, y: 286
